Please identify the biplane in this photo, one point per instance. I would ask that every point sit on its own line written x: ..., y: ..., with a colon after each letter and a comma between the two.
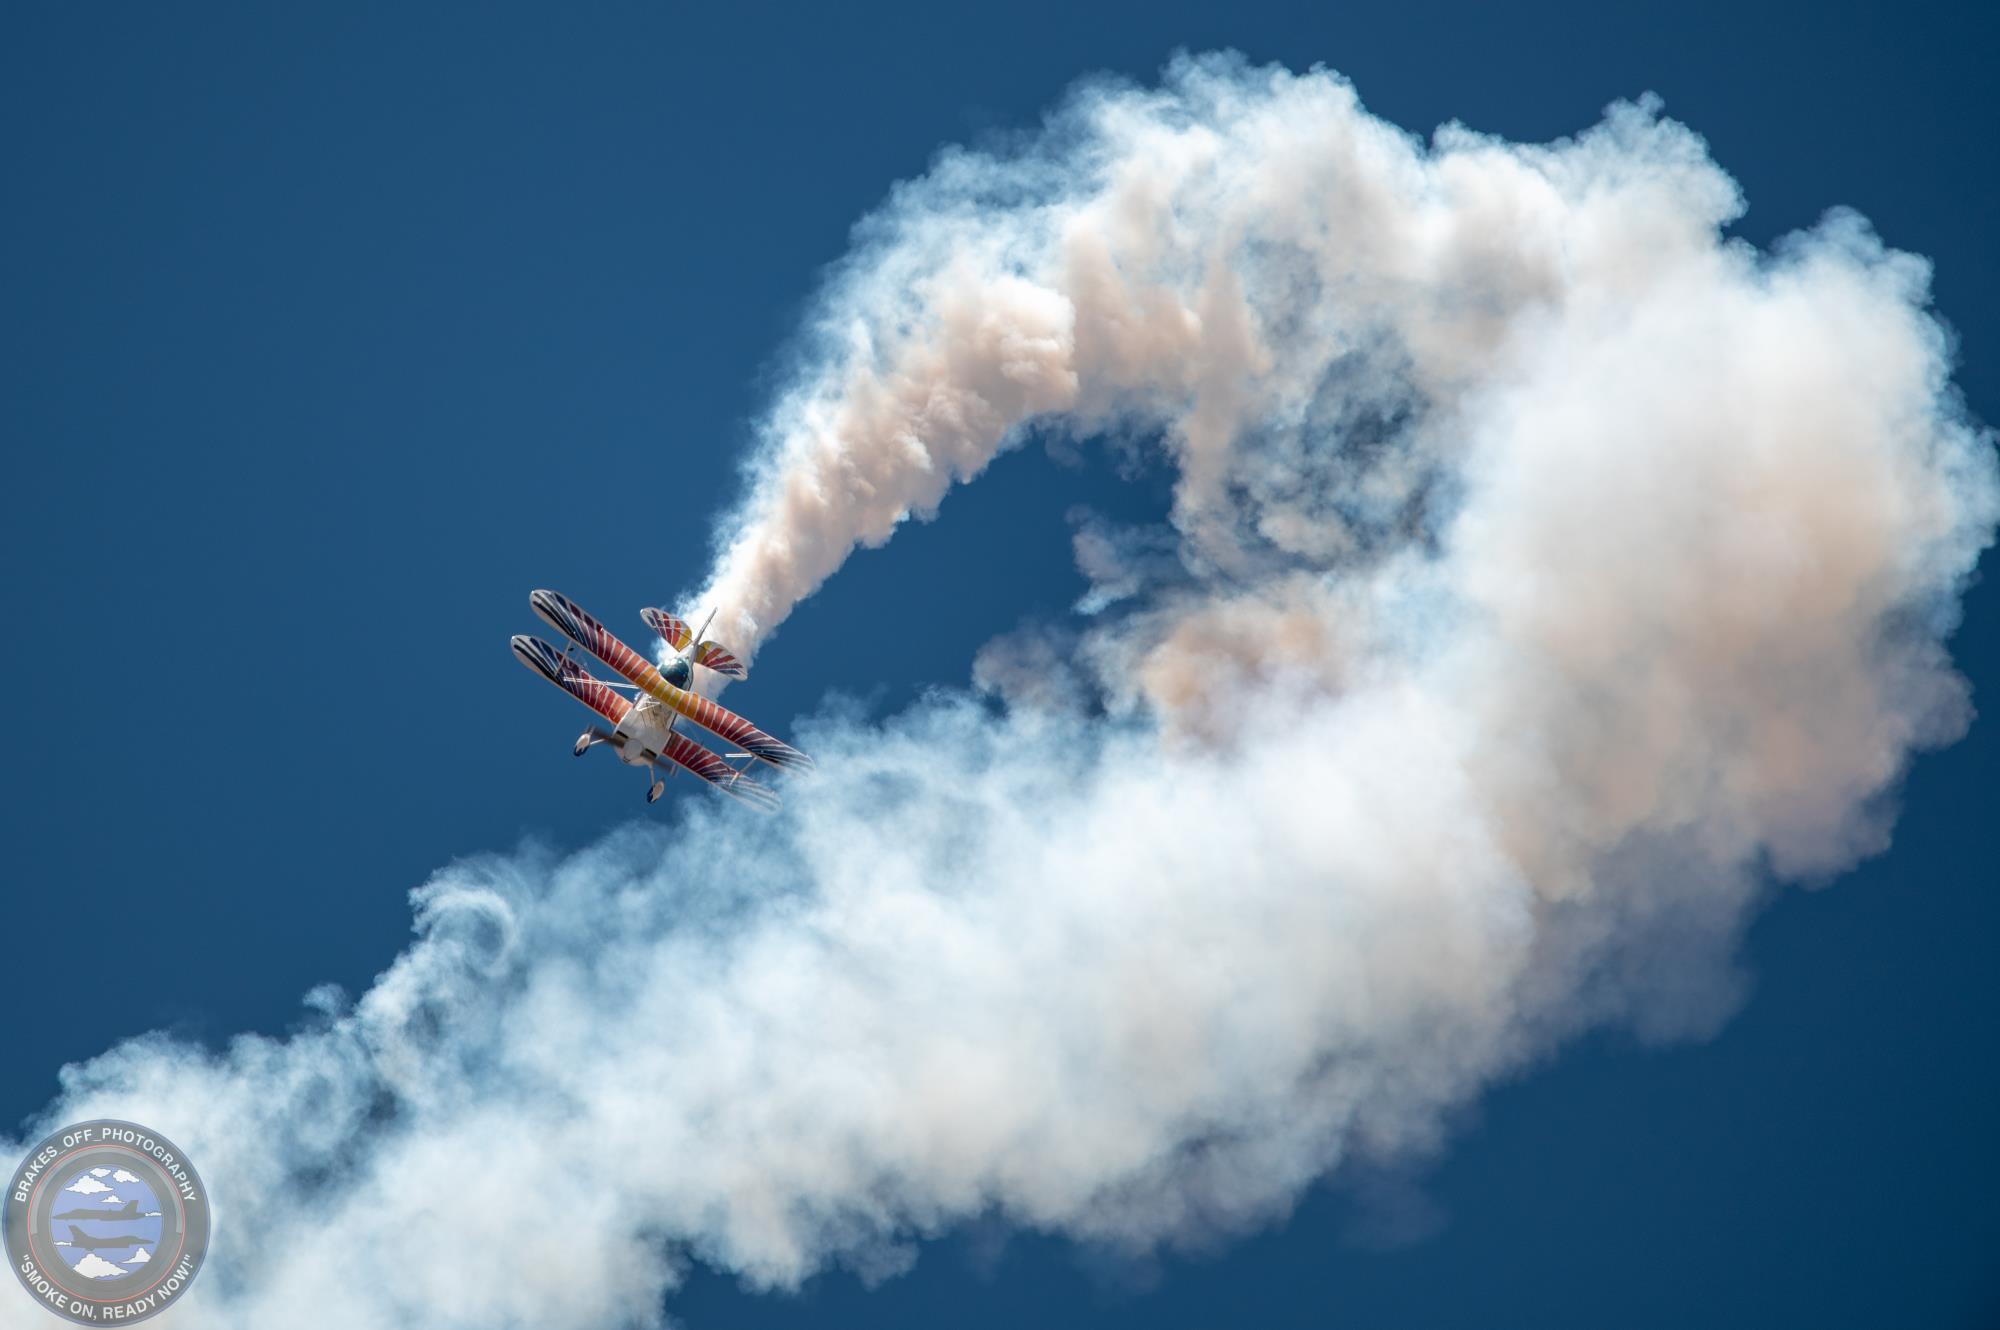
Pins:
x: 645, y: 730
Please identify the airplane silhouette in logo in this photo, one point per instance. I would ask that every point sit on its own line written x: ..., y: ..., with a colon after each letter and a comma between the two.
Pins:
x: 83, y: 1241
x: 130, y: 1210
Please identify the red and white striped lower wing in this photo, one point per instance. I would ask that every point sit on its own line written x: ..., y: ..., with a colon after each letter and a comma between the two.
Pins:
x: 571, y: 677
x: 686, y: 753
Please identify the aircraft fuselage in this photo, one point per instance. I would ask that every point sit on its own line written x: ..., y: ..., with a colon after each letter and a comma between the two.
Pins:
x: 644, y: 727
x: 97, y: 1242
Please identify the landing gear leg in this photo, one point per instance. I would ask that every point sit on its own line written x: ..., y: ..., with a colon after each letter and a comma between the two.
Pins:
x: 593, y: 735
x: 658, y: 787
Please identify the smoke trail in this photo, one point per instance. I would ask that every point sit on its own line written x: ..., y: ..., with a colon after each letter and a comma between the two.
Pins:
x: 1545, y: 570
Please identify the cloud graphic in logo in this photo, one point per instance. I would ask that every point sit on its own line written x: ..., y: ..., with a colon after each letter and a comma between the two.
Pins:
x: 101, y: 1173
x: 139, y: 1257
x: 121, y: 1176
x: 109, y: 1198
x: 86, y: 1186
x: 93, y: 1266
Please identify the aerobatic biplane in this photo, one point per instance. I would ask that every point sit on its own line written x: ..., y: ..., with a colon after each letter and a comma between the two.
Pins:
x: 643, y: 730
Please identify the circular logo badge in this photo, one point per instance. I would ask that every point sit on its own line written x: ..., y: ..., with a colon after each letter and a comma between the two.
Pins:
x: 106, y: 1221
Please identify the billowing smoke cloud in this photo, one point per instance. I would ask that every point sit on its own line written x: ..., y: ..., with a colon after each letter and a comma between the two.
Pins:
x: 1545, y: 573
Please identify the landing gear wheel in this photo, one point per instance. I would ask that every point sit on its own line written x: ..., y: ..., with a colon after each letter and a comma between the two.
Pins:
x: 582, y: 744
x: 653, y: 795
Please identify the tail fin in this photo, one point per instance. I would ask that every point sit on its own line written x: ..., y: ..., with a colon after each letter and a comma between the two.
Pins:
x: 689, y: 644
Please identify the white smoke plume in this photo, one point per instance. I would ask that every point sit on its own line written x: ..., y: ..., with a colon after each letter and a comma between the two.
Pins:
x: 1546, y: 573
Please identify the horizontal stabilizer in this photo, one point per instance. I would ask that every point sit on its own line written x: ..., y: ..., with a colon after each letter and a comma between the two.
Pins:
x: 675, y: 633
x: 715, y: 658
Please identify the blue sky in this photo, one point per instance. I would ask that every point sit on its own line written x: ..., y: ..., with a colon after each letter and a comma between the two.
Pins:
x: 329, y: 336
